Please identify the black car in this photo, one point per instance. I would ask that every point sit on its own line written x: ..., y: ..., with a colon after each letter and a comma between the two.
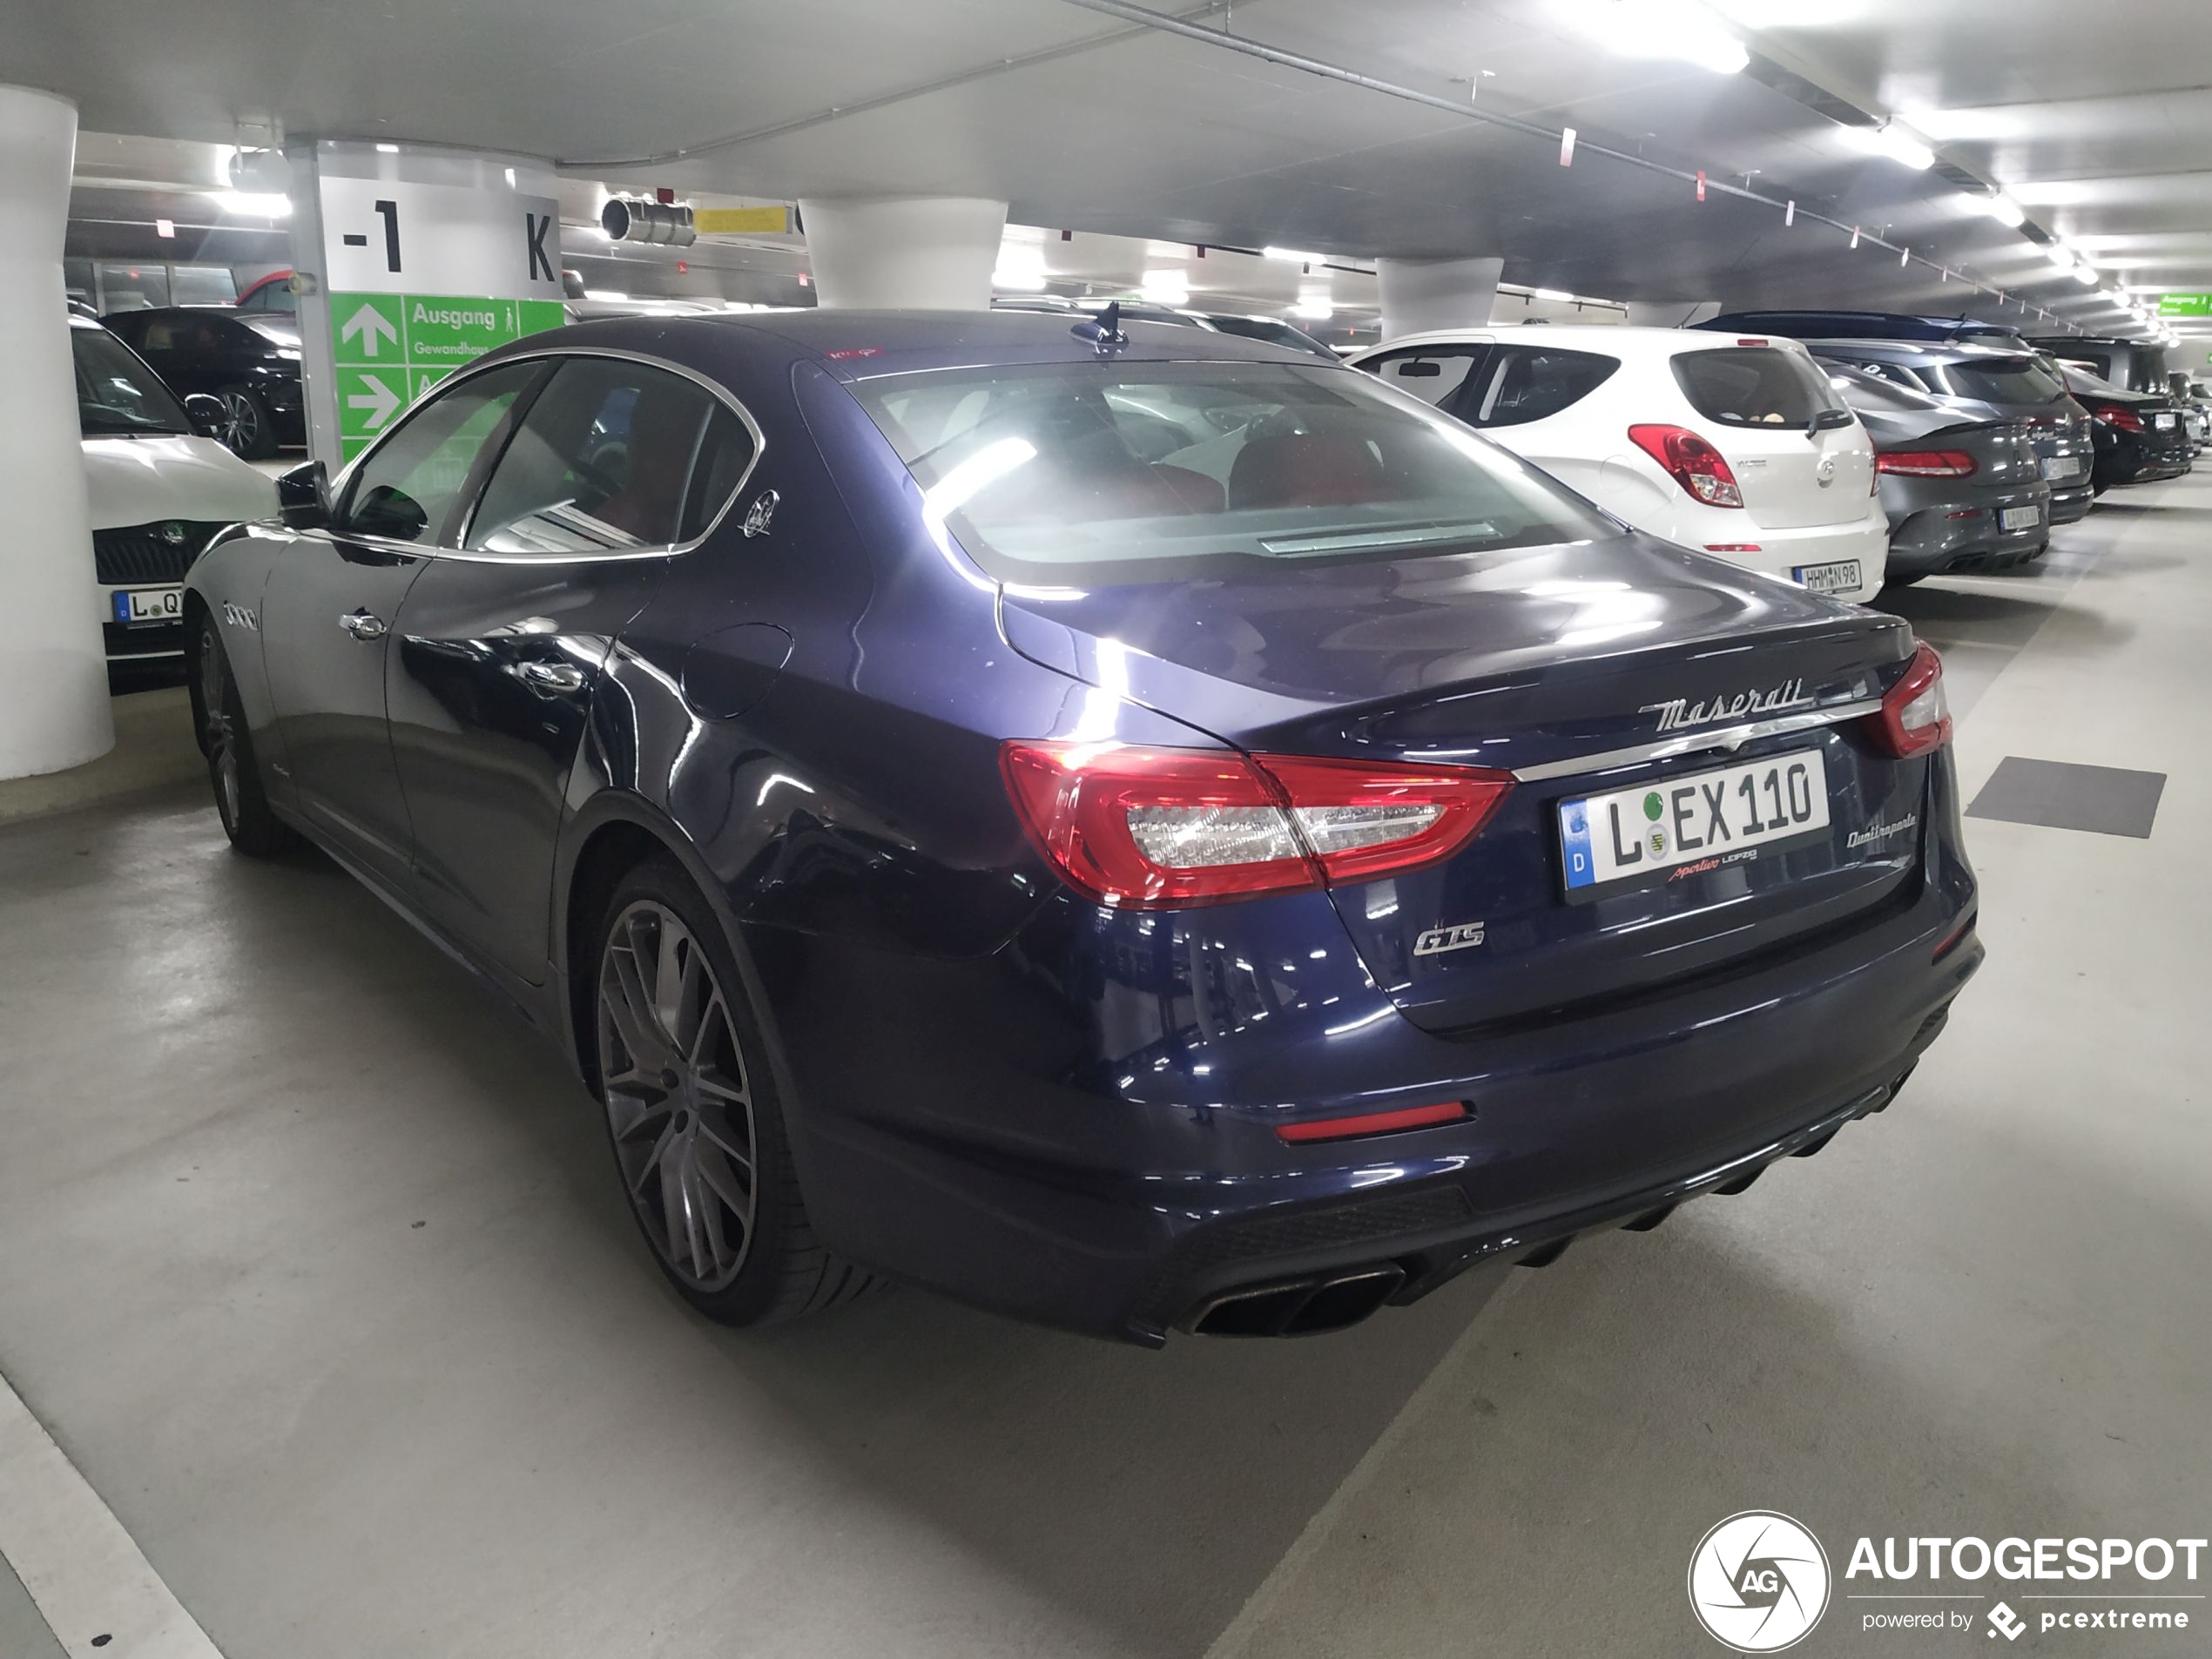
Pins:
x: 2137, y: 365
x: 2140, y: 435
x: 250, y: 362
x: 1857, y: 325
x: 1985, y: 379
x: 1961, y: 495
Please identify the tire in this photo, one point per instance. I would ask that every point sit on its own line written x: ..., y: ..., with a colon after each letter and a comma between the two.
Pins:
x: 240, y: 801
x: 248, y: 431
x: 693, y: 1121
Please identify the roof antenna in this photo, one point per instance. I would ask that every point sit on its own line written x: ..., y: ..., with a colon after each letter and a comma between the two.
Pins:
x: 1104, y: 331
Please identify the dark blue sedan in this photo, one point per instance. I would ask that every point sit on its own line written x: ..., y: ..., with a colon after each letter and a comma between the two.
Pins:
x: 1132, y: 827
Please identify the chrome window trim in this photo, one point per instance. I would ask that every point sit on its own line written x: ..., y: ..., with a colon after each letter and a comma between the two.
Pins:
x: 661, y: 551
x: 1732, y: 736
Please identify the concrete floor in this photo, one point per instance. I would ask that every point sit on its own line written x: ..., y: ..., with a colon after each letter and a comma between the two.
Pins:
x: 314, y: 1269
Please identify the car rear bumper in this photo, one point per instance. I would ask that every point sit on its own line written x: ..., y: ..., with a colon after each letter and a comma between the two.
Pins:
x: 973, y: 1143
x: 1966, y: 534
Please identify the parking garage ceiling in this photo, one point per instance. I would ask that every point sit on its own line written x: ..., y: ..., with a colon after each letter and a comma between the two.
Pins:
x: 1096, y: 122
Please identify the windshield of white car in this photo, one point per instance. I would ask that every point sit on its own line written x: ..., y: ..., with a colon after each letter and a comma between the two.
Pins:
x: 116, y: 394
x: 1100, y: 473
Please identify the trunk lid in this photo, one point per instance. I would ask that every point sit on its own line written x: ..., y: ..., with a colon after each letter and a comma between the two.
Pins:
x: 1568, y: 666
x: 1758, y: 404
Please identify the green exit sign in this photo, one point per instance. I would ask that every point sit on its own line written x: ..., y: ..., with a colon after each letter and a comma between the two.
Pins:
x: 2185, y: 305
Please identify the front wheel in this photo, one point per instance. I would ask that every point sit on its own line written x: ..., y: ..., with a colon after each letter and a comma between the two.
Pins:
x: 692, y: 1116
x: 247, y: 431
x: 253, y: 826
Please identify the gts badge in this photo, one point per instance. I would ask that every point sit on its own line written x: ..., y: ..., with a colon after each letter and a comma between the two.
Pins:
x: 240, y: 617
x: 1437, y: 940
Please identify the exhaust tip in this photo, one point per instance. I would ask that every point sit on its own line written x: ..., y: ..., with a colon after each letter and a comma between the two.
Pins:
x: 1301, y: 1308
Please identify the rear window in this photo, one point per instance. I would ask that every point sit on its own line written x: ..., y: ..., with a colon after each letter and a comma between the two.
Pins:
x: 1091, y: 474
x: 1754, y: 386
x: 1995, y: 380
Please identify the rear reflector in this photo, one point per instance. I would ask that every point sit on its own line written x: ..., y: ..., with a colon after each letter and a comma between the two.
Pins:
x: 1153, y: 829
x: 1690, y: 461
x: 1343, y: 1128
x: 1926, y: 463
x: 1954, y: 938
x: 1914, y: 717
x: 1733, y: 547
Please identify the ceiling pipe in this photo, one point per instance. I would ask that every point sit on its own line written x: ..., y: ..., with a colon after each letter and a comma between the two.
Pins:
x: 1469, y: 111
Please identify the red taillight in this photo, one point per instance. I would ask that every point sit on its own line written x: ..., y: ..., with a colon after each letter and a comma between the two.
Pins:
x: 1926, y: 463
x: 1691, y: 462
x: 2113, y: 416
x: 1339, y: 1129
x: 1952, y: 940
x: 1152, y: 829
x: 1915, y: 716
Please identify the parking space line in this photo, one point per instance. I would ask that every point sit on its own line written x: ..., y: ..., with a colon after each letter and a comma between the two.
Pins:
x: 1234, y: 1637
x: 88, y: 1581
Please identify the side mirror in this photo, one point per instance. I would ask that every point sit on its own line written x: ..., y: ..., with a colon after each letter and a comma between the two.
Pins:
x: 303, y: 496
x: 391, y: 514
x: 205, y: 413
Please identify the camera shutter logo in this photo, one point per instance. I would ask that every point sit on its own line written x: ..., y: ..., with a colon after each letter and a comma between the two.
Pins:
x: 1758, y: 1581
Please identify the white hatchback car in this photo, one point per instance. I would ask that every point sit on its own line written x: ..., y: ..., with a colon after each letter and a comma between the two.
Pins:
x: 159, y: 491
x: 1738, y: 447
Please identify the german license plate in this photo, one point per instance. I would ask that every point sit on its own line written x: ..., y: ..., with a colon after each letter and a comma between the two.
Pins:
x: 1839, y: 577
x: 149, y: 604
x: 2062, y: 466
x: 1654, y: 829
x: 2164, y: 423
x: 2020, y: 518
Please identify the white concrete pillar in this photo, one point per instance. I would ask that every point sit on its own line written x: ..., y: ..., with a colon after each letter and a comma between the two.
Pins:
x: 933, y: 252
x: 1671, y: 313
x: 54, y: 708
x: 1421, y: 294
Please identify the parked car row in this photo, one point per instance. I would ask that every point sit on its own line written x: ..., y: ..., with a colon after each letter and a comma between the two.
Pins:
x: 1762, y: 447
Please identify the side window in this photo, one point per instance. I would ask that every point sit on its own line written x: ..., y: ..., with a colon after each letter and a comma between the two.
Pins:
x: 406, y: 488
x: 613, y: 454
x: 1534, y: 385
x: 1431, y: 375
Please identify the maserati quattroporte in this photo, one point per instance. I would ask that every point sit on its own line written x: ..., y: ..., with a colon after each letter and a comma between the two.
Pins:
x: 1131, y: 827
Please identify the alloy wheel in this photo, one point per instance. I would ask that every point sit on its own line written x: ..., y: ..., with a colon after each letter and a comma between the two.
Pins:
x: 215, y: 719
x: 678, y: 1106
x: 242, y: 423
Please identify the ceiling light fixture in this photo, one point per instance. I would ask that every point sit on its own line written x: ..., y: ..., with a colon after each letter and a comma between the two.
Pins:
x: 1559, y: 295
x: 1291, y: 255
x: 1313, y: 307
x: 1021, y: 267
x: 1166, y: 288
x: 256, y: 204
x: 2003, y: 209
x: 1680, y: 30
x: 1900, y: 144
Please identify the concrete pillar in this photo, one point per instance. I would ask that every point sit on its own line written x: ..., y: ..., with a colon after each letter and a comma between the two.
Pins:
x: 1671, y: 313
x: 934, y: 251
x: 1421, y: 294
x: 54, y: 708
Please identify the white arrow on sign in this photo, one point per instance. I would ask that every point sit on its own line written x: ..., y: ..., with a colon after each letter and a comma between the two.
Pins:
x: 368, y: 322
x: 379, y: 401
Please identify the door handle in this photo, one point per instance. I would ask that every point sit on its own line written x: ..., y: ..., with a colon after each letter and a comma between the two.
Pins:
x: 555, y: 677
x: 361, y: 626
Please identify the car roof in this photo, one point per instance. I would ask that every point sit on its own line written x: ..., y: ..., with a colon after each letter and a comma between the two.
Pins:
x: 1949, y: 351
x: 1618, y: 340
x: 859, y: 345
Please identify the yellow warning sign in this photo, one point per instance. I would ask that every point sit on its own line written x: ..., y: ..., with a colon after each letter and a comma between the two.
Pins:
x: 741, y: 221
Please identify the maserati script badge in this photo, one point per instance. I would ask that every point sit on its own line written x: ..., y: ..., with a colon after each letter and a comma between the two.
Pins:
x: 1681, y: 711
